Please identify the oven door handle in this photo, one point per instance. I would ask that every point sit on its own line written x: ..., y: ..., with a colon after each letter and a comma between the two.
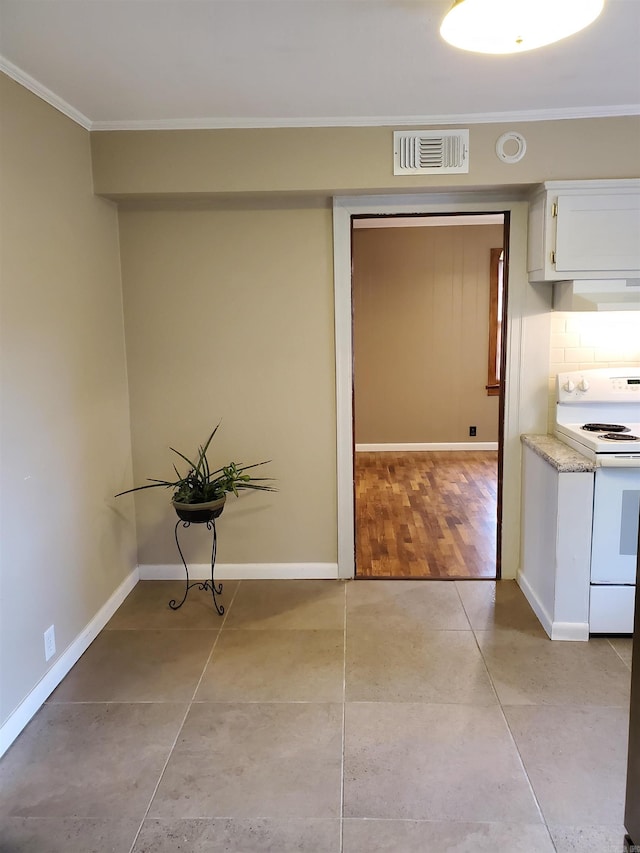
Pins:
x: 622, y: 460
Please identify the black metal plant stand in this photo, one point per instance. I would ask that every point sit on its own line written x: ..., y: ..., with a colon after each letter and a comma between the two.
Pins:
x: 204, y: 585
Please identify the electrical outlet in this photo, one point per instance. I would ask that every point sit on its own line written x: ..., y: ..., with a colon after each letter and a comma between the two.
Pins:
x: 49, y: 643
x: 472, y: 431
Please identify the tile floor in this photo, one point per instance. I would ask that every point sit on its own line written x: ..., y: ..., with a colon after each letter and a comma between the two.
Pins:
x: 321, y: 716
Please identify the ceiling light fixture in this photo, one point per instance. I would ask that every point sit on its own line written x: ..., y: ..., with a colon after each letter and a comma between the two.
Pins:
x: 514, y: 26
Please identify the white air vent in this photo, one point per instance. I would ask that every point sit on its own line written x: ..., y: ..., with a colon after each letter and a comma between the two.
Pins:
x: 418, y: 152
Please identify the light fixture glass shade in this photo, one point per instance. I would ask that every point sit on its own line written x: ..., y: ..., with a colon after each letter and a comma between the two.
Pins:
x: 514, y: 26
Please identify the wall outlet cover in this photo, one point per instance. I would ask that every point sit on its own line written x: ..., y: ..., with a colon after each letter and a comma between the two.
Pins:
x: 49, y: 642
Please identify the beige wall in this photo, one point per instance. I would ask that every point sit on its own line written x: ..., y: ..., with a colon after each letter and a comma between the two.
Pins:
x: 65, y: 441
x: 421, y: 332
x: 217, y: 238
x: 349, y: 159
x: 229, y: 316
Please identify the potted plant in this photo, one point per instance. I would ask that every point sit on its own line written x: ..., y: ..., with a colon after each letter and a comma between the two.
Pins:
x: 200, y: 494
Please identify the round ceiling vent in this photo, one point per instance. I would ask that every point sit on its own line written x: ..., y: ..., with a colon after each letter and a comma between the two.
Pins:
x: 511, y: 147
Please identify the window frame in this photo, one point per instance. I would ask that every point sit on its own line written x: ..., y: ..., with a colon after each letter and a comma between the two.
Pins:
x: 496, y: 297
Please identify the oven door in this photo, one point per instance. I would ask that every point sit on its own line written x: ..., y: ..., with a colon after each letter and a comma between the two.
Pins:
x: 615, y: 525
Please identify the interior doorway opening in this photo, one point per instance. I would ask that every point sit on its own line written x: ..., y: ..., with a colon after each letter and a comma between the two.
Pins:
x: 429, y: 303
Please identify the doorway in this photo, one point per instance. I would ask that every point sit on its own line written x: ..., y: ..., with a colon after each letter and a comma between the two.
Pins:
x: 428, y: 303
x: 526, y: 359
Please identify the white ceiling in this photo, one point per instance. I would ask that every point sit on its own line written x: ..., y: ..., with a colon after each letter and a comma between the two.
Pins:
x: 243, y: 63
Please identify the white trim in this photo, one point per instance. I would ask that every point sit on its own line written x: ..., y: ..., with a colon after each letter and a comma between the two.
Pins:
x: 52, y: 678
x: 623, y: 185
x: 230, y: 122
x: 536, y: 605
x: 343, y: 310
x: 41, y: 91
x: 429, y: 221
x: 240, y: 571
x: 571, y: 631
x: 223, y: 123
x: 450, y: 445
x: 517, y: 351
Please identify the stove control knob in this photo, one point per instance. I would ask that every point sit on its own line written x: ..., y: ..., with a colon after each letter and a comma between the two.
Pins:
x: 569, y: 386
x: 583, y: 385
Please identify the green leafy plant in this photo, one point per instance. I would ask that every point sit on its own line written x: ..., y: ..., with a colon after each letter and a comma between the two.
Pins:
x: 200, y: 484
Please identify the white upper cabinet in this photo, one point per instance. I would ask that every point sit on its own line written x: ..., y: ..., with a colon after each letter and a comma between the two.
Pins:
x: 584, y: 229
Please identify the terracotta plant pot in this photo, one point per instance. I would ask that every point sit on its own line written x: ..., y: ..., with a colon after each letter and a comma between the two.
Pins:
x: 200, y: 513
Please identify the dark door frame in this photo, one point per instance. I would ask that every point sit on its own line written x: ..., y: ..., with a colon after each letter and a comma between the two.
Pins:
x: 503, y: 365
x: 527, y: 355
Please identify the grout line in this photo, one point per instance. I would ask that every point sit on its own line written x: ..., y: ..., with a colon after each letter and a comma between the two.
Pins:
x: 464, y: 609
x: 227, y: 609
x: 625, y: 662
x: 506, y: 721
x: 513, y: 740
x: 162, y: 772
x: 329, y: 702
x: 184, y: 719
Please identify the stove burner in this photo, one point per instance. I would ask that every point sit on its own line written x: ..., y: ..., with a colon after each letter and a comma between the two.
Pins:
x: 605, y: 428
x: 616, y: 436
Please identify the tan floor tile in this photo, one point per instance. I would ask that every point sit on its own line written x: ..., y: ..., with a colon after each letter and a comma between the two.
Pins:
x: 416, y: 666
x: 66, y: 835
x: 408, y: 836
x: 281, y: 666
x: 497, y: 604
x: 433, y: 762
x: 588, y: 839
x: 288, y: 605
x: 576, y: 759
x: 147, y: 608
x: 89, y: 760
x: 405, y: 605
x: 533, y: 670
x: 246, y: 760
x: 138, y: 666
x: 257, y: 835
x: 258, y: 764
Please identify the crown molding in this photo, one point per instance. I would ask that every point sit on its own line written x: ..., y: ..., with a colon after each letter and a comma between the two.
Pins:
x: 372, y: 121
x: 231, y: 123
x: 41, y: 91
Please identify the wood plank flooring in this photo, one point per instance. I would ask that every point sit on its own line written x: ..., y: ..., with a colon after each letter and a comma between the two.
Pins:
x: 426, y: 514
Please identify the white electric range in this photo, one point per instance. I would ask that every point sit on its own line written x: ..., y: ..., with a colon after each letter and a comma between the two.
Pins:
x: 598, y: 414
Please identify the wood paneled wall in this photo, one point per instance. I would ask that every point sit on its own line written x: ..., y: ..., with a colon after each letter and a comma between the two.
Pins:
x: 421, y: 315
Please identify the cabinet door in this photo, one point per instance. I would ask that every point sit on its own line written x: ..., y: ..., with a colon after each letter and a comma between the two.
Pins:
x: 598, y: 232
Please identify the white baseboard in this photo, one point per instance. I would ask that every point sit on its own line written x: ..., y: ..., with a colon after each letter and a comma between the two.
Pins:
x: 536, y: 605
x: 48, y: 683
x: 574, y: 631
x: 450, y: 445
x: 240, y: 571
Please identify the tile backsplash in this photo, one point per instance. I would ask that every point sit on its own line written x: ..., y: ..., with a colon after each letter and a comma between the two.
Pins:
x: 586, y: 340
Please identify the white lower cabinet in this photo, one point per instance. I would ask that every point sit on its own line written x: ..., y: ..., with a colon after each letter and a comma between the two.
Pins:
x: 557, y: 510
